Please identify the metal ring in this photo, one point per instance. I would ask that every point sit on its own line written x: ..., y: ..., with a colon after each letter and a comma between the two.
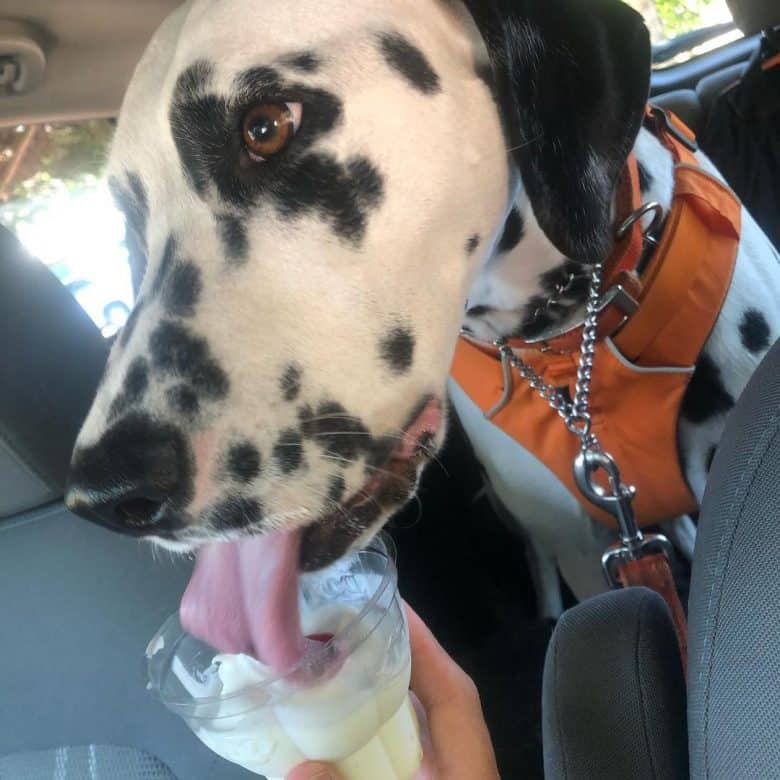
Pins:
x: 579, y: 424
x: 635, y: 216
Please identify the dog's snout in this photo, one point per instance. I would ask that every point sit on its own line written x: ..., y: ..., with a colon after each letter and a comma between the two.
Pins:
x: 134, y: 480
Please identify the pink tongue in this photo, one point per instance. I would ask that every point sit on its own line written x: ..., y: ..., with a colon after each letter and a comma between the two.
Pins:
x: 243, y: 598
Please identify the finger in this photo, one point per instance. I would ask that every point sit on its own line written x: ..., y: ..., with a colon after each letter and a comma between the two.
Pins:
x: 314, y: 771
x: 427, y: 770
x: 436, y: 678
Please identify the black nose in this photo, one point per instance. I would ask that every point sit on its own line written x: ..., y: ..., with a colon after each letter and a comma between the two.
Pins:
x: 136, y: 479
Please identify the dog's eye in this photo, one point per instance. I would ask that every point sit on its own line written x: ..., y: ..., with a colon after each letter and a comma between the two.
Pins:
x: 269, y: 127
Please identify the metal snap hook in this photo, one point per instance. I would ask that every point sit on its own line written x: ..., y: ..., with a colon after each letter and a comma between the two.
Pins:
x: 617, y: 501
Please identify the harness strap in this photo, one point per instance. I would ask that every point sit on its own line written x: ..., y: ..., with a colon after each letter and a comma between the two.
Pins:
x: 689, y: 275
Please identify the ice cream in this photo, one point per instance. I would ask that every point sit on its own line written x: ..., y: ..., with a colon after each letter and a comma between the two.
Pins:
x: 368, y: 735
x: 346, y: 702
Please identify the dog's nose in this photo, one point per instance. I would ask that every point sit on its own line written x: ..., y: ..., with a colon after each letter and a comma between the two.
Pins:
x: 134, y: 480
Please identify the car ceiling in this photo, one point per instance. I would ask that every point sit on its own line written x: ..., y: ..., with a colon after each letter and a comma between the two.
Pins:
x: 91, y: 48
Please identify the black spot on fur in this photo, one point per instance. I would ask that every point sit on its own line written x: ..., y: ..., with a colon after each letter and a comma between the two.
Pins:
x: 182, y: 289
x: 138, y: 452
x: 197, y: 116
x: 336, y: 489
x: 341, y: 434
x: 176, y: 350
x: 645, y: 178
x: 134, y: 389
x: 710, y: 457
x: 539, y: 315
x: 288, y: 451
x: 378, y: 453
x: 234, y: 236
x: 184, y: 400
x: 343, y: 195
x: 395, y: 489
x: 134, y: 204
x: 170, y: 254
x: 410, y: 62
x: 569, y: 282
x: 472, y: 244
x: 194, y: 81
x: 137, y: 379
x: 514, y: 230
x: 706, y: 396
x: 566, y: 289
x: 207, y: 131
x: 290, y: 382
x: 236, y: 512
x: 243, y: 462
x: 324, y: 542
x: 754, y: 330
x: 479, y: 311
x: 132, y: 321
x: 397, y: 350
x: 305, y: 61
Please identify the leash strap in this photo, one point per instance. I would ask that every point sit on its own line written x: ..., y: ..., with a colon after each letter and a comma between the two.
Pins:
x: 653, y: 571
x: 637, y: 559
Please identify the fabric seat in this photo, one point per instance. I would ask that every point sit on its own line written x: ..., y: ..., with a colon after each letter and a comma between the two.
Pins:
x: 686, y: 104
x: 614, y: 704
x: 50, y: 364
x: 613, y: 692
x: 93, y: 762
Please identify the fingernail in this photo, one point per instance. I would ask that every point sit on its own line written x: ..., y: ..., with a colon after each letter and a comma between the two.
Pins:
x: 317, y: 770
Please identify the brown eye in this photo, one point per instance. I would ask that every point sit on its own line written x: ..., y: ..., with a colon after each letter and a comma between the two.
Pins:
x: 268, y: 128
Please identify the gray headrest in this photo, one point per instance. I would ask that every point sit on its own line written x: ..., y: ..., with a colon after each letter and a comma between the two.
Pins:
x: 753, y: 16
x: 50, y: 364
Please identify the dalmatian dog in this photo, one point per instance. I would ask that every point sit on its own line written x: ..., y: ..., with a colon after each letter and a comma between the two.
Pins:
x: 312, y: 190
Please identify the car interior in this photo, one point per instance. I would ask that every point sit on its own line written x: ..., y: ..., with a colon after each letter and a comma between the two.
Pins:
x: 598, y: 693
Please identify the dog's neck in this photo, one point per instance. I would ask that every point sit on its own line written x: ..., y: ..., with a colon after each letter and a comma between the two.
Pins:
x: 514, y: 292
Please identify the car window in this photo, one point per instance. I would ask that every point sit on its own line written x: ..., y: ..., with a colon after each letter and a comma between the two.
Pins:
x: 698, y: 25
x: 54, y: 196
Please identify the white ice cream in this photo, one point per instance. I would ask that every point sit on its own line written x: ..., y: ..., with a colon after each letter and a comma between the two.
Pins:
x: 360, y: 719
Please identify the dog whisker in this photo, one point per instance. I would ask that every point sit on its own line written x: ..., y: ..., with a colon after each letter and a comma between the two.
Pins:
x: 337, y: 507
x: 368, y: 467
x: 395, y: 436
x: 523, y: 145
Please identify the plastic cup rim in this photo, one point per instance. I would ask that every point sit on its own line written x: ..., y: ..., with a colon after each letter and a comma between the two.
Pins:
x: 382, y: 544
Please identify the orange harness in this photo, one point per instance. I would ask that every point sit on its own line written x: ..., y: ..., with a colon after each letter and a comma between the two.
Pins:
x: 651, y: 333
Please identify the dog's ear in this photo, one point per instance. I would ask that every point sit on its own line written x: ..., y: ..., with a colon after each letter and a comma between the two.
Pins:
x: 571, y: 79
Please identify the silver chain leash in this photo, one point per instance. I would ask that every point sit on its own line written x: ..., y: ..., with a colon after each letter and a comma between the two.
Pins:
x: 575, y: 413
x: 617, y: 499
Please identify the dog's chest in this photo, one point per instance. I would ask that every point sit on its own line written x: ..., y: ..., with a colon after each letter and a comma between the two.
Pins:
x: 513, y: 286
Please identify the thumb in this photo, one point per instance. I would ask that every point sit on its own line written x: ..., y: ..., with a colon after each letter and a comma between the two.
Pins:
x: 314, y: 770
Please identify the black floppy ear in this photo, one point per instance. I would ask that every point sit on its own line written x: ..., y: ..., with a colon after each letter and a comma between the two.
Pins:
x: 572, y: 79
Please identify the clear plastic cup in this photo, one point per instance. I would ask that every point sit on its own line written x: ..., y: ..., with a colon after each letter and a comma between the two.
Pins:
x: 346, y: 702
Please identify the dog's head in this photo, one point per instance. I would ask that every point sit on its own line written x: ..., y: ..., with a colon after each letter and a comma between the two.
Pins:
x: 309, y: 189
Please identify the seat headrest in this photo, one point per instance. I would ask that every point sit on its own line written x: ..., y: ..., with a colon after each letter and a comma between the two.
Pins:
x: 753, y: 16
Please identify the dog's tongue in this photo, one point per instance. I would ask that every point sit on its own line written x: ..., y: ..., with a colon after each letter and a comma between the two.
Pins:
x: 243, y: 598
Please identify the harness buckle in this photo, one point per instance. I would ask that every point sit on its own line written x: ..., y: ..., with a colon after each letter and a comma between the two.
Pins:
x: 617, y: 295
x: 661, y: 118
x: 505, y: 351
